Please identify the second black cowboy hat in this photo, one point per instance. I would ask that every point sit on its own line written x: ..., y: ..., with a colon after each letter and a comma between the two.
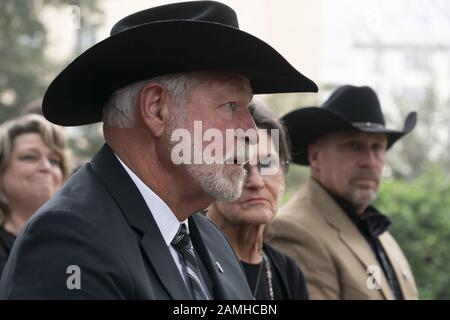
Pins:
x: 179, y: 37
x: 349, y: 107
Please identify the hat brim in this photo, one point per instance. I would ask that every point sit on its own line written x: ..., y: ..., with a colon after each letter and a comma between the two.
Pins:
x: 306, y: 125
x: 78, y: 93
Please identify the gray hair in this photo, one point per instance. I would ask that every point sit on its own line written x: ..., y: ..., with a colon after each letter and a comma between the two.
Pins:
x: 120, y: 110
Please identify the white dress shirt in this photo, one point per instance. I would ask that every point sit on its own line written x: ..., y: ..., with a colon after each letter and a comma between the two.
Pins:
x: 165, y: 219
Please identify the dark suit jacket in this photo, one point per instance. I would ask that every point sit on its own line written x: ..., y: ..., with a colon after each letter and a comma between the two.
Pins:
x: 99, y: 222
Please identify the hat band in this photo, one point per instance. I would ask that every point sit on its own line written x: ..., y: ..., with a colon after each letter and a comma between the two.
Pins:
x: 368, y: 125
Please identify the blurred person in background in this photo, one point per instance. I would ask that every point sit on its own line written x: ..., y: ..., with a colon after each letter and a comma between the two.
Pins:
x: 271, y: 274
x: 330, y: 227
x: 34, y: 162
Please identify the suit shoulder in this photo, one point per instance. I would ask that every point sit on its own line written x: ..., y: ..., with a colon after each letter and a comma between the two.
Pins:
x: 53, y: 241
x: 83, y: 192
x: 300, y: 215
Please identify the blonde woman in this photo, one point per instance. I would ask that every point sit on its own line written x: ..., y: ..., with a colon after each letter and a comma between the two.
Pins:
x: 34, y: 162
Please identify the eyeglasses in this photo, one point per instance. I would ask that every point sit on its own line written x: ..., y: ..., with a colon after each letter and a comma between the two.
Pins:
x: 267, y: 167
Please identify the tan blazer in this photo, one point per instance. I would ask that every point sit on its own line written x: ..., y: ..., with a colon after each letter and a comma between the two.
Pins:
x: 331, y: 251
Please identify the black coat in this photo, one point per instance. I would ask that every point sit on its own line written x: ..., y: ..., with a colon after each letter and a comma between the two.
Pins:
x: 99, y: 222
x: 6, y: 242
x: 292, y: 284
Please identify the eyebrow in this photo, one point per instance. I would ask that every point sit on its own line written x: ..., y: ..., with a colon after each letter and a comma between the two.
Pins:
x: 29, y: 149
x: 34, y: 149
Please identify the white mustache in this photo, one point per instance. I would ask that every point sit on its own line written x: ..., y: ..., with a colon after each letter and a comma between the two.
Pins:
x: 240, y: 156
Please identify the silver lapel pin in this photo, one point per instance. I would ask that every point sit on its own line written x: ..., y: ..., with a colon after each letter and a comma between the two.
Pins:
x: 219, y: 267
x: 405, y: 275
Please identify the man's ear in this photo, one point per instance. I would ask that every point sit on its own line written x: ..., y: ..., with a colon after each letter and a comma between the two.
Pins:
x: 313, y: 156
x: 153, y: 103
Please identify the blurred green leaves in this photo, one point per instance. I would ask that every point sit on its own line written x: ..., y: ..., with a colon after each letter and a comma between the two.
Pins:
x: 22, y: 64
x: 420, y: 211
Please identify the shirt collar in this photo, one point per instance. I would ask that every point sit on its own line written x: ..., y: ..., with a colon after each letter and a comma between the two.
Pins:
x: 165, y: 219
x: 371, y: 219
x: 377, y: 222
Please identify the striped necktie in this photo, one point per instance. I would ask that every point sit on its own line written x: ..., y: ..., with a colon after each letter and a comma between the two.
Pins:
x: 182, y: 242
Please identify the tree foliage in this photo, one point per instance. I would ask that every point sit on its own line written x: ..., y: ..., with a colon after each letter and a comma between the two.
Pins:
x: 25, y: 71
x: 420, y: 212
x: 22, y: 64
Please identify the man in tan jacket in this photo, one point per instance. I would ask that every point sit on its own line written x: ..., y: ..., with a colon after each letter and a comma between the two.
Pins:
x: 339, y: 240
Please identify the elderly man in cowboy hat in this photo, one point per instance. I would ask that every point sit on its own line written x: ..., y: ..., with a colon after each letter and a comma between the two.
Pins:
x: 124, y: 226
x: 330, y: 227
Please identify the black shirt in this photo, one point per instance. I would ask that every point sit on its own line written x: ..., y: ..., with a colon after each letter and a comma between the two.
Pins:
x: 288, y: 282
x: 372, y: 223
x: 6, y: 242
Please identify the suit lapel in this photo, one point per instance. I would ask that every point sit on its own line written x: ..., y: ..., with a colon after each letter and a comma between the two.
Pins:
x: 348, y: 232
x: 403, y: 273
x: 166, y: 269
x: 361, y: 249
x: 135, y: 210
x: 219, y: 290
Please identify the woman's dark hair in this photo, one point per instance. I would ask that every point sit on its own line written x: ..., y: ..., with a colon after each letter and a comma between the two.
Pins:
x: 265, y: 118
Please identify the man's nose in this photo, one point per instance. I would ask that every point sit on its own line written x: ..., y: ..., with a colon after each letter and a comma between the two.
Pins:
x: 368, y: 158
x: 249, y: 126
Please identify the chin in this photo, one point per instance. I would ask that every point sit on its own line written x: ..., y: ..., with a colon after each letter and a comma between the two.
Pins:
x: 221, y: 183
x: 45, y: 193
x: 259, y: 215
x: 44, y: 197
x: 361, y: 196
x: 231, y: 193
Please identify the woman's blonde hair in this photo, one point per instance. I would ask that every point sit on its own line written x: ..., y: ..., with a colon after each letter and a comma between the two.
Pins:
x: 53, y: 136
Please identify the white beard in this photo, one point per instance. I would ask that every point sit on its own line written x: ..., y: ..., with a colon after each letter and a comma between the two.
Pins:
x: 217, y: 182
x: 361, y: 198
x: 221, y: 181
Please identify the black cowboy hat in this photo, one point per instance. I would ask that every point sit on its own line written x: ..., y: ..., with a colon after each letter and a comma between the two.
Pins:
x: 179, y: 37
x: 349, y: 107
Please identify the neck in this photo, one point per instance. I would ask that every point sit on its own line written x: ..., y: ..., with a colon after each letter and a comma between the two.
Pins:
x: 17, y: 219
x: 248, y: 243
x: 359, y: 208
x: 246, y: 240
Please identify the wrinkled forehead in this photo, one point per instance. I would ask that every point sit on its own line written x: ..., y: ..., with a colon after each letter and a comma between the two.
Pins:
x: 33, y: 140
x: 234, y: 81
